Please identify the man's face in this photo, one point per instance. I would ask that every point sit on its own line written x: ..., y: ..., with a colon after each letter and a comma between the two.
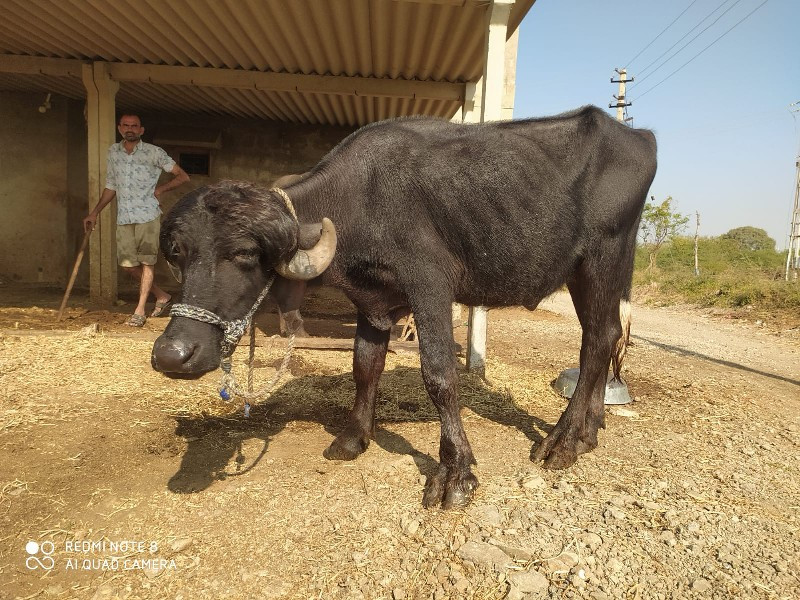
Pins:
x: 130, y: 128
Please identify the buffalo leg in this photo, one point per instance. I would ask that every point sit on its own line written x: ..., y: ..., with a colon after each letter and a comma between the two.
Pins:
x: 575, y: 433
x: 289, y: 296
x: 291, y: 322
x: 369, y: 358
x: 453, y: 483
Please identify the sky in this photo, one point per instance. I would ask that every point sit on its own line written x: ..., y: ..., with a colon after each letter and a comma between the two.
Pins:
x: 727, y: 137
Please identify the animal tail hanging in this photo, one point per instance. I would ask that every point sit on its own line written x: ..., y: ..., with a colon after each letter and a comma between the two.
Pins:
x: 621, y: 347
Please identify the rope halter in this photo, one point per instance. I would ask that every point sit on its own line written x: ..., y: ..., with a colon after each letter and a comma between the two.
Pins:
x: 233, y: 330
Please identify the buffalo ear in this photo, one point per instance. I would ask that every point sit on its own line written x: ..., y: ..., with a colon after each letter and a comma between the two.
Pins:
x: 317, y: 243
x: 176, y: 272
x: 211, y: 203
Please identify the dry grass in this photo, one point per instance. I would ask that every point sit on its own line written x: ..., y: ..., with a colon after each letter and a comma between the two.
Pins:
x: 270, y: 512
x: 53, y: 377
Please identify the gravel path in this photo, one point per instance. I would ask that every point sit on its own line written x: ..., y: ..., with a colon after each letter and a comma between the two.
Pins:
x: 683, y: 331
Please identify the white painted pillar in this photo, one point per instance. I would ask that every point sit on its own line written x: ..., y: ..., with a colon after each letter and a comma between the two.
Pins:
x: 468, y: 114
x: 491, y: 110
x: 495, y: 60
x: 472, y: 90
x: 101, y: 130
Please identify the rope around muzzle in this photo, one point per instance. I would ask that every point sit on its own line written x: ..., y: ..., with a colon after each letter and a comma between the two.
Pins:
x: 232, y: 332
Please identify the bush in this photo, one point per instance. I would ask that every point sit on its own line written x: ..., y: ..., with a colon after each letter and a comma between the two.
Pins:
x: 731, y: 275
x: 751, y: 238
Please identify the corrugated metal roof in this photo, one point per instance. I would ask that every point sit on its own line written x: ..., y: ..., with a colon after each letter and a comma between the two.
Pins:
x: 427, y: 40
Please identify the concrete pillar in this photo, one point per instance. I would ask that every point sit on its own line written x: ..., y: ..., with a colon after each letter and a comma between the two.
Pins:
x: 472, y: 102
x: 510, y: 87
x: 101, y: 128
x: 494, y: 90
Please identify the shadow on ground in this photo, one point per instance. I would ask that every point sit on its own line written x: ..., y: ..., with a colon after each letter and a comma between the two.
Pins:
x: 214, y: 441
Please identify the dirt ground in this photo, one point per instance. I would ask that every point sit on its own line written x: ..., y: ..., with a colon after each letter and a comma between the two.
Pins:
x: 116, y: 482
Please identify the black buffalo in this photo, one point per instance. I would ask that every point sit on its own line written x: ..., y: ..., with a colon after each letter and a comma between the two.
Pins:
x: 428, y: 212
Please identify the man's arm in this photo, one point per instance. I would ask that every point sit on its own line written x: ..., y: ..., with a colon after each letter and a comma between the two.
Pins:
x: 179, y: 177
x: 105, y: 198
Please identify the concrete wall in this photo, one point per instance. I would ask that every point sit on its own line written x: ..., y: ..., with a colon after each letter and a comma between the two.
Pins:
x: 42, y: 187
x: 251, y: 150
x: 33, y: 194
x: 43, y: 179
x: 77, y: 192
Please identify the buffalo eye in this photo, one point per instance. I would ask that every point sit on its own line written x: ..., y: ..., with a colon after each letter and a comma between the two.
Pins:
x: 246, y: 258
x: 174, y: 251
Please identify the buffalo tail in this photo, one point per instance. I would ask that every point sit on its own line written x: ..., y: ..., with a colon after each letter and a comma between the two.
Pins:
x: 621, y: 347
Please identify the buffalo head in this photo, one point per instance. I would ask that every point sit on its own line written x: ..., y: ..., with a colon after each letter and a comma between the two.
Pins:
x: 225, y: 242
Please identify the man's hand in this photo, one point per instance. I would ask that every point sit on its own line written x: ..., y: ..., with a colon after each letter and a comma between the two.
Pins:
x: 89, y: 222
x: 91, y: 219
x: 179, y: 177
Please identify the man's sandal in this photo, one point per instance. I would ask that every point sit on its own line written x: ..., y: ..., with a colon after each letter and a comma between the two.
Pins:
x: 136, y: 320
x: 161, y: 309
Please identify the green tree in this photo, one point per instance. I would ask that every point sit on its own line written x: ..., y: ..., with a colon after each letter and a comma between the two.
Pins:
x: 751, y: 238
x: 660, y: 223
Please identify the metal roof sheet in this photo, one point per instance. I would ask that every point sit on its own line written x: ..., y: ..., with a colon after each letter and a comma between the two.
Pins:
x: 414, y: 40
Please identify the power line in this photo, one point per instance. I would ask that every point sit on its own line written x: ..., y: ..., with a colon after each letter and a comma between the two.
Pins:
x: 685, y: 35
x: 628, y: 63
x: 747, y: 16
x: 690, y: 41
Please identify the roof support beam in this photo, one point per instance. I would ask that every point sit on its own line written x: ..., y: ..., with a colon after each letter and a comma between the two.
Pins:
x: 230, y: 78
x: 287, y: 82
x: 491, y: 110
x: 40, y: 65
x: 101, y: 133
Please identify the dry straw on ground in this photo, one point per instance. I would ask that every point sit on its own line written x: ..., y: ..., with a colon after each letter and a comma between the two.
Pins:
x: 82, y: 365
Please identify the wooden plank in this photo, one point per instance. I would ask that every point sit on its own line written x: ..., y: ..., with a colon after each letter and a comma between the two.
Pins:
x: 310, y: 343
x: 320, y: 343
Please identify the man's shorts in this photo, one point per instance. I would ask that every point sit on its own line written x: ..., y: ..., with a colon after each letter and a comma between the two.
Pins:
x: 137, y: 243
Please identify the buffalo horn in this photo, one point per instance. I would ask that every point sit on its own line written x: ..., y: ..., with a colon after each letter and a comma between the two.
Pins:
x: 308, y: 264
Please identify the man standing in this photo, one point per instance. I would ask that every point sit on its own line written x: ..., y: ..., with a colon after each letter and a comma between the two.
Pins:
x: 132, y: 172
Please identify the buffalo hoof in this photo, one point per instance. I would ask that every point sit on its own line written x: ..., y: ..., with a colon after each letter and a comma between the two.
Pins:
x: 346, y: 446
x: 450, y: 490
x: 561, y: 448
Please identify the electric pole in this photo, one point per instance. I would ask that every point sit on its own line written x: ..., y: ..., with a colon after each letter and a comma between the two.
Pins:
x: 620, y: 104
x: 793, y: 256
